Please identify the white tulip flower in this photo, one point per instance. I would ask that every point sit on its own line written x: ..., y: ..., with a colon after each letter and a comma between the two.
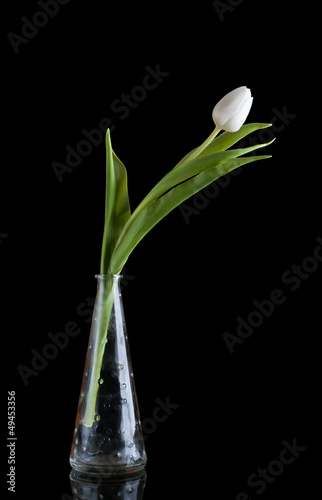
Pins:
x: 231, y: 111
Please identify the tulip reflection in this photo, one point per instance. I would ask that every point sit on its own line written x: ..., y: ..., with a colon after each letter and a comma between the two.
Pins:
x: 89, y: 487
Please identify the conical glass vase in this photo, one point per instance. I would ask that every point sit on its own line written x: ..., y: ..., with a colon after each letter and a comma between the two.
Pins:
x: 108, y: 437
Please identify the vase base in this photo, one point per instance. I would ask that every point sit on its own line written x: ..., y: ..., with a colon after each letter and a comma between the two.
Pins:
x: 96, y: 477
x: 90, y: 471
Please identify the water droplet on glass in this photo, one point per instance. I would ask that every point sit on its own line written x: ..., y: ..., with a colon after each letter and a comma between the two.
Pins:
x: 120, y: 366
x: 100, y: 381
x: 83, y: 448
x: 97, y: 417
x: 123, y: 386
x: 123, y: 401
x: 130, y: 489
x: 130, y: 444
x: 117, y: 455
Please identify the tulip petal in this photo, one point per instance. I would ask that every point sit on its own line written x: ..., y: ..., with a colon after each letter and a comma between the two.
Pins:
x: 238, y: 118
x: 229, y: 105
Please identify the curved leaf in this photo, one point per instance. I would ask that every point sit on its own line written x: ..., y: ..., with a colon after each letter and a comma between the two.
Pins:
x: 177, y: 176
x: 158, y: 209
x: 117, y: 205
x: 225, y: 140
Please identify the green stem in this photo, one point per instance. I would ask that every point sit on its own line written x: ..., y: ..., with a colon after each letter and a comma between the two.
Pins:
x: 100, y: 324
x: 196, y: 152
x: 206, y: 142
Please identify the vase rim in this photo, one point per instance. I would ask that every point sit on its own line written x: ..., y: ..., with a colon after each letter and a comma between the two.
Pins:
x: 106, y: 276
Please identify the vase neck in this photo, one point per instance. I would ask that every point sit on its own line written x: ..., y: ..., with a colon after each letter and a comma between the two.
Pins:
x: 108, y: 277
x: 108, y: 282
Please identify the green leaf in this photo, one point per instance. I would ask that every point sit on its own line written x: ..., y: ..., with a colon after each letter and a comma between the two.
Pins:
x: 158, y: 209
x: 117, y: 205
x: 122, y: 204
x: 196, y: 166
x: 225, y: 140
x: 177, y: 176
x: 191, y: 168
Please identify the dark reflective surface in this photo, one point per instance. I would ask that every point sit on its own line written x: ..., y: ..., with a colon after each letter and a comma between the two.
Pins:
x: 91, y: 487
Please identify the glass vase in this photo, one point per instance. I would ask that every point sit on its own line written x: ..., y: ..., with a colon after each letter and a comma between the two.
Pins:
x: 108, y: 438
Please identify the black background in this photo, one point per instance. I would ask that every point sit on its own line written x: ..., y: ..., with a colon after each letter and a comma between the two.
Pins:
x: 186, y: 283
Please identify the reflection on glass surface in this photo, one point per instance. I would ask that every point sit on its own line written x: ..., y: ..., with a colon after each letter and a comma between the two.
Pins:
x: 94, y: 487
